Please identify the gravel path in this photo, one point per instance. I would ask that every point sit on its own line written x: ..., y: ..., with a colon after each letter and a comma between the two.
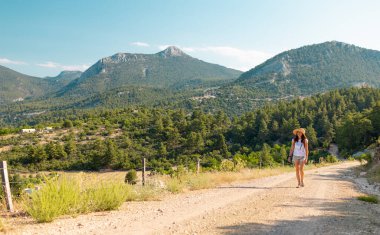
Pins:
x: 272, y: 205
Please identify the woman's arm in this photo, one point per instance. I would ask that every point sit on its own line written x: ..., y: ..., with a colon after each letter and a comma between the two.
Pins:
x: 306, y: 149
x: 291, y: 150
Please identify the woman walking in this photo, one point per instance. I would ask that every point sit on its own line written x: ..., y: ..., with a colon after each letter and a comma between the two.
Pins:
x: 300, y: 152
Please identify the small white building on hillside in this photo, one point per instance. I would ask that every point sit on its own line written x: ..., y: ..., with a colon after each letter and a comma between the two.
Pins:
x: 48, y: 129
x: 23, y: 131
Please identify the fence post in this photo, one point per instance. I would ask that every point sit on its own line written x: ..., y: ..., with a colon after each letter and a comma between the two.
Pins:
x: 6, y: 187
x: 198, y: 165
x: 143, y: 171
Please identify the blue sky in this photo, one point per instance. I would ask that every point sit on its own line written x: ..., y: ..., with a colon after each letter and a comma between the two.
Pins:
x: 42, y: 38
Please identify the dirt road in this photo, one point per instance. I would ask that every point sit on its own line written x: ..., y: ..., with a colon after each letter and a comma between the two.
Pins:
x: 273, y: 205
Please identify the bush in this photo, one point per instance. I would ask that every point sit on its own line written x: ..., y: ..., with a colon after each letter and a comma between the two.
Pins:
x: 65, y: 196
x: 366, y: 157
x: 131, y: 177
x: 239, y: 164
x: 331, y: 159
x: 56, y: 198
x: 350, y: 158
x: 227, y: 165
x: 369, y: 198
x: 106, y: 196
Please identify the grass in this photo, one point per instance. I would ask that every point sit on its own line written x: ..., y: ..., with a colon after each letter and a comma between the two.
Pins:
x: 56, y: 198
x: 67, y: 196
x: 105, y: 197
x: 175, y: 185
x: 207, y: 180
x: 2, y: 226
x: 369, y: 198
x: 149, y: 192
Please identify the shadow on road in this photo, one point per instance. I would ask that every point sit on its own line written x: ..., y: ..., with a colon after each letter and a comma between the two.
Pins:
x: 348, y: 216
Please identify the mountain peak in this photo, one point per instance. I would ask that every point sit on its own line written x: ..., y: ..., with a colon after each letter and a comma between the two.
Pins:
x: 172, y: 51
x: 69, y: 72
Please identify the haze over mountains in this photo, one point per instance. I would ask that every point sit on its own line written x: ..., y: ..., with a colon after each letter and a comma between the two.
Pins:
x: 174, y: 74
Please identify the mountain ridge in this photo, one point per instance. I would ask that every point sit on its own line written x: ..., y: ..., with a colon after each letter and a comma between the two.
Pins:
x: 170, y: 68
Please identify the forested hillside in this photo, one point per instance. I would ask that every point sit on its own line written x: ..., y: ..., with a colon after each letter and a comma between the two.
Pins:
x: 119, y: 138
x: 16, y: 86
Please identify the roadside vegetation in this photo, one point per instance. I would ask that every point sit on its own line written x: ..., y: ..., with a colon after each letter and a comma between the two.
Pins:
x: 71, y: 194
x: 369, y: 198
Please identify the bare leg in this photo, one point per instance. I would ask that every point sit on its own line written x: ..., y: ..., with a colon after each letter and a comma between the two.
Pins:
x: 302, y: 164
x: 297, y: 164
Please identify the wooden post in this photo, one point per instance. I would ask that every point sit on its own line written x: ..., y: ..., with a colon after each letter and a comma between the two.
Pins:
x: 143, y: 171
x: 6, y: 187
x: 261, y: 161
x: 198, y: 165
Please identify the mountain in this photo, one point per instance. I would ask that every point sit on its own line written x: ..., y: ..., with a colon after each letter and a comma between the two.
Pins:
x: 298, y: 73
x: 315, y: 68
x: 16, y: 86
x: 65, y: 77
x: 170, y: 68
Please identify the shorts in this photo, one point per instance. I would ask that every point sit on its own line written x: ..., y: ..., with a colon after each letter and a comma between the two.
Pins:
x: 302, y: 158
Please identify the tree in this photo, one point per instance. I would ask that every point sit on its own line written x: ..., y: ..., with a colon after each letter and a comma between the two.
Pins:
x: 111, y: 154
x: 353, y: 132
x: 222, y: 146
x: 266, y: 158
x: 67, y: 124
x: 71, y: 148
x: 162, y: 152
x: 311, y: 136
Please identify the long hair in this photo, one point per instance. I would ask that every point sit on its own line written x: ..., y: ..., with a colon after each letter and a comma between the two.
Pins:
x: 303, y: 137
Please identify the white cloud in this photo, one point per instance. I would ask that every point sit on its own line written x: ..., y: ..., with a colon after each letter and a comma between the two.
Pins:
x: 54, y: 65
x: 140, y: 44
x: 8, y: 61
x: 49, y: 64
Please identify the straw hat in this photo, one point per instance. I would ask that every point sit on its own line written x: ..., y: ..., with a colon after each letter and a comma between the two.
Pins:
x: 299, y: 130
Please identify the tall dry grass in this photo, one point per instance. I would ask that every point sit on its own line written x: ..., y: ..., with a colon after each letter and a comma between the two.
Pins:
x: 71, y: 195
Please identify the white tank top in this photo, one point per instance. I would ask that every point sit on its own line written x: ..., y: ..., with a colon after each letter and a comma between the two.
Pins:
x: 299, y: 148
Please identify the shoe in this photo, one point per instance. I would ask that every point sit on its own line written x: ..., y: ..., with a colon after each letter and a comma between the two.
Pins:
x: 302, y: 185
x: 298, y: 186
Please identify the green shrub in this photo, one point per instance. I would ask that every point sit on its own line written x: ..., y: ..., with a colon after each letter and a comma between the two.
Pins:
x: 56, y: 198
x: 239, y: 164
x: 64, y: 196
x: 369, y: 198
x: 106, y: 196
x: 131, y: 177
x: 331, y: 159
x: 180, y: 172
x: 350, y: 158
x: 227, y: 165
